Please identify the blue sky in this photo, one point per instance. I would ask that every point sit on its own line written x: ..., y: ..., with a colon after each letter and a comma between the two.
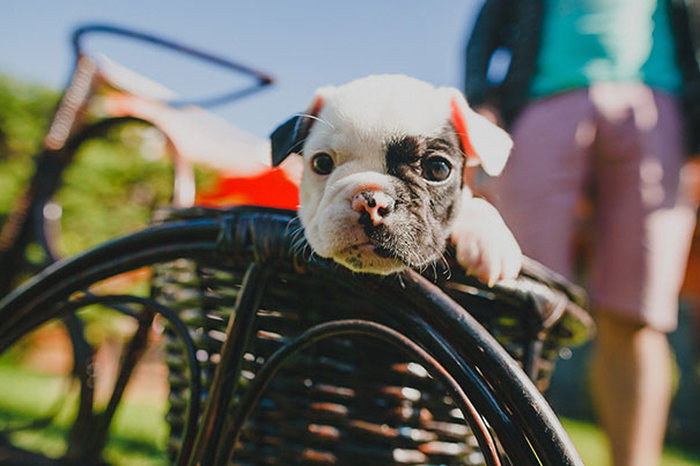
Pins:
x: 304, y: 44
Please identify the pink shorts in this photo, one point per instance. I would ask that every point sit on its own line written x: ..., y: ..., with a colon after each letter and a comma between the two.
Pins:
x: 622, y: 145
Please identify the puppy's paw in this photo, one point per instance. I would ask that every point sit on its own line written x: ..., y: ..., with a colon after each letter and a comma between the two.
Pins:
x: 485, y: 246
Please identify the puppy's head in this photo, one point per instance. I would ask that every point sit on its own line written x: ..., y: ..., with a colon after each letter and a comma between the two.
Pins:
x: 384, y: 158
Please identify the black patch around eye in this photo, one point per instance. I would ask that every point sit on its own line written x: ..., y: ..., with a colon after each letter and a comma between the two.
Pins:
x: 414, y: 157
x: 439, y: 144
x: 402, y: 152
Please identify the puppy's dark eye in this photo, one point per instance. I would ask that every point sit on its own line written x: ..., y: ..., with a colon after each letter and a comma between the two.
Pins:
x: 322, y: 163
x: 436, y: 169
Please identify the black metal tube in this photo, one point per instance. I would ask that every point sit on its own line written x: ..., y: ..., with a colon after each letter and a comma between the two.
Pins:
x: 227, y: 374
x: 488, y: 400
x: 181, y: 331
x: 262, y: 79
x: 352, y: 327
x: 442, y: 319
x: 502, y: 372
x: 407, y: 307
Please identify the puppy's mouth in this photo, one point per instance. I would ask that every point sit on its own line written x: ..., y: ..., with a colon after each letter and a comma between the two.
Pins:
x: 384, y: 252
x: 369, y: 247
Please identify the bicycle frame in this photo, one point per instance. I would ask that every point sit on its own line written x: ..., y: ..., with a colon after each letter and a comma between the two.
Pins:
x: 72, y: 125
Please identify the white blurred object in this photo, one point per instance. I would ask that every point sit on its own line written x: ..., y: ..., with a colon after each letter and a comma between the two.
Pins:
x: 131, y: 82
x: 195, y: 134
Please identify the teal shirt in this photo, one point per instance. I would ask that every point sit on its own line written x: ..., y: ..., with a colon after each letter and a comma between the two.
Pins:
x: 588, y: 41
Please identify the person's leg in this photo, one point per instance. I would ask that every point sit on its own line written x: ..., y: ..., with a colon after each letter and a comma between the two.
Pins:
x: 631, y: 381
x: 538, y: 190
x: 642, y: 237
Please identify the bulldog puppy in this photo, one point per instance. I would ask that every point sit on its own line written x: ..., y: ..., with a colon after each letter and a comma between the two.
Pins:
x: 383, y: 180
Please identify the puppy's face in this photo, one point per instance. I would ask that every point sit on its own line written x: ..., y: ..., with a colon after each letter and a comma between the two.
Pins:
x: 376, y: 198
x: 382, y: 179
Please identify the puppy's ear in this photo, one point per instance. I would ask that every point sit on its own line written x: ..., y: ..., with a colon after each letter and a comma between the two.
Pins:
x: 289, y: 137
x: 483, y: 142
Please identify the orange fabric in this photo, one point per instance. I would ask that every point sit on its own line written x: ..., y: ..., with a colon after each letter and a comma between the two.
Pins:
x: 272, y: 188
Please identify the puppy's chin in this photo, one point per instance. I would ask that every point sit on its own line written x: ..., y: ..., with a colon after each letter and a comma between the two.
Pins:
x: 364, y: 256
x: 367, y: 258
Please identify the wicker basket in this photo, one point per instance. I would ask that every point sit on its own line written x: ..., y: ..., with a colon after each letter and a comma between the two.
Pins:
x: 349, y: 400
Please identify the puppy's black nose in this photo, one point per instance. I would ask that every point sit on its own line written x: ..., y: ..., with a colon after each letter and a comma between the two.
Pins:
x: 374, y: 205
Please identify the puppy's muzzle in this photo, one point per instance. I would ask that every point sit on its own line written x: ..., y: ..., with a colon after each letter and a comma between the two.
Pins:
x: 374, y: 206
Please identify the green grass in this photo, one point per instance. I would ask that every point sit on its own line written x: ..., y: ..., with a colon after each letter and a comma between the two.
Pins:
x: 137, y: 435
x: 590, y: 442
x: 139, y: 431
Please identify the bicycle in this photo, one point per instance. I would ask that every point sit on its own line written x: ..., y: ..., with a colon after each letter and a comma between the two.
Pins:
x: 275, y: 357
x: 75, y: 123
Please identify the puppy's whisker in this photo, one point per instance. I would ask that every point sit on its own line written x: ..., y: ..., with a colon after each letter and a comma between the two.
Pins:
x: 433, y: 269
x: 298, y: 145
x: 296, y: 248
x: 448, y: 270
x: 401, y: 282
x: 302, y: 248
x: 296, y: 235
x: 308, y: 252
x: 423, y: 265
x: 314, y: 117
x: 298, y: 243
x: 292, y: 224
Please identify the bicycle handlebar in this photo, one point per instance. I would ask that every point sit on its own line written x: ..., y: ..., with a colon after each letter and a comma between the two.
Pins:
x: 262, y: 79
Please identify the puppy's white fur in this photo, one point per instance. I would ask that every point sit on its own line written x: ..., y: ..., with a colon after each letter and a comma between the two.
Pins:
x: 354, y: 122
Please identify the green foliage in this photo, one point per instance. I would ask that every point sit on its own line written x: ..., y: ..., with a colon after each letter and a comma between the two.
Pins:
x: 25, y: 111
x: 137, y: 435
x: 110, y: 188
x: 591, y: 444
x: 139, y: 431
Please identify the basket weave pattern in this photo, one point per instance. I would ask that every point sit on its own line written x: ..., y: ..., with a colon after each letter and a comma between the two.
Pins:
x: 347, y: 400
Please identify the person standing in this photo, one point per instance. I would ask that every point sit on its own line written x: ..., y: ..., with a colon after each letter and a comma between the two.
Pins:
x: 602, y: 98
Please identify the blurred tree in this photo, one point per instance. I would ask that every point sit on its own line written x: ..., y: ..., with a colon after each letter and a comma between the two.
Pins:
x: 112, y: 185
x: 25, y: 110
